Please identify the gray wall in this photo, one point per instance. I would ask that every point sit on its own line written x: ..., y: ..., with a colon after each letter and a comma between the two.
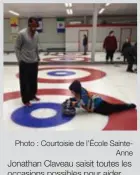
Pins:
x: 49, y: 37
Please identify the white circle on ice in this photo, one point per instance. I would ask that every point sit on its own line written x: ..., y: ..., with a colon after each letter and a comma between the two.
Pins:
x: 60, y: 73
x: 43, y: 113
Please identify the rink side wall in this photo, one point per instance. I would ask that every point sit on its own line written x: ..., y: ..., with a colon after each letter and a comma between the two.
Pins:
x: 72, y: 35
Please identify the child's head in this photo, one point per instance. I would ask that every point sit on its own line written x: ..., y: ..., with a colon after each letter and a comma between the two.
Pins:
x: 85, y: 36
x: 75, y: 88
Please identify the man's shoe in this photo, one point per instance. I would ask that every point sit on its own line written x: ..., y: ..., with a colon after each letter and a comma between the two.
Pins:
x: 36, y: 99
x: 28, y: 104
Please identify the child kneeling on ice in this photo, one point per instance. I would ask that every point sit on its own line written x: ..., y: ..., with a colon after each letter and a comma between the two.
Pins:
x: 93, y: 103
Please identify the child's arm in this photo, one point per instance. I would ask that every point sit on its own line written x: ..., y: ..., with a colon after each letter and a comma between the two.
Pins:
x: 87, y: 109
x: 75, y: 103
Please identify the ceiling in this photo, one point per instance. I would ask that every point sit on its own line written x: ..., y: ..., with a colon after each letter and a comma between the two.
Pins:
x: 58, y: 10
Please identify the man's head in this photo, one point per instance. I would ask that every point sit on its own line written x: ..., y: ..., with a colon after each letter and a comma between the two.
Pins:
x: 111, y: 33
x: 75, y: 88
x: 84, y: 35
x: 32, y: 24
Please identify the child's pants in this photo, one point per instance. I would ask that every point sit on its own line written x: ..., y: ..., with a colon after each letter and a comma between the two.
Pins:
x: 106, y: 108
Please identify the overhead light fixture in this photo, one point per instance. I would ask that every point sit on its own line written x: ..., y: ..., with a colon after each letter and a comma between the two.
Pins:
x: 101, y: 11
x: 68, y: 4
x: 107, y: 4
x: 14, y: 13
x: 69, y: 11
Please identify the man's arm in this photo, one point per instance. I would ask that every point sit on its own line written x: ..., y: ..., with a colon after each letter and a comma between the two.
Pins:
x: 37, y: 51
x: 104, y: 43
x: 18, y: 46
x: 123, y: 48
x: 116, y: 44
